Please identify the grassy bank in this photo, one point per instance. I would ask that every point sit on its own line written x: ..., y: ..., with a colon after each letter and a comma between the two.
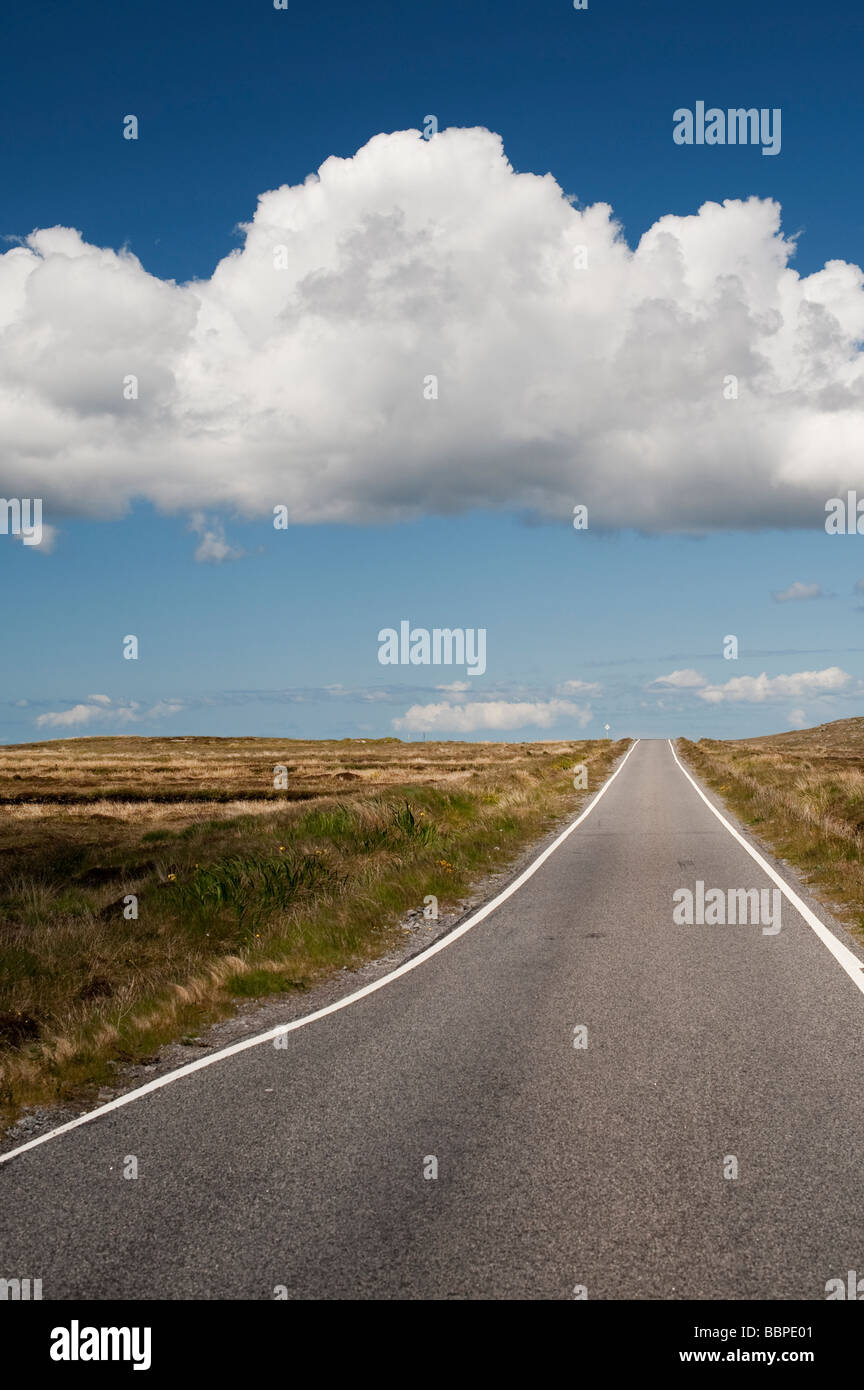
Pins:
x: 240, y: 889
x: 803, y: 794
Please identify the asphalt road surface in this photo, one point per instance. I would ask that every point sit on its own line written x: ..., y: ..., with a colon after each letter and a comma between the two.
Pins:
x: 302, y: 1168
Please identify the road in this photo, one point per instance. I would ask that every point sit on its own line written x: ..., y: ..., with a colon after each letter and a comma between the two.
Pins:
x: 302, y: 1168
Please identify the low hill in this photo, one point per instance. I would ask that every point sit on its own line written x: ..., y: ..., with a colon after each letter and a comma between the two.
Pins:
x: 839, y: 737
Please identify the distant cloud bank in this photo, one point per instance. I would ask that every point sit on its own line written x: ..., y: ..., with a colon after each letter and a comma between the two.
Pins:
x: 757, y: 690
x: 100, y: 709
x: 490, y: 714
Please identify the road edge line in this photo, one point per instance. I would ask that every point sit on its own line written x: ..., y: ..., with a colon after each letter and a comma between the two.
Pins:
x: 845, y: 958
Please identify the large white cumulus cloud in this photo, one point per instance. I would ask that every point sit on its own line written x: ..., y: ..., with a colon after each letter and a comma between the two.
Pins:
x: 304, y: 385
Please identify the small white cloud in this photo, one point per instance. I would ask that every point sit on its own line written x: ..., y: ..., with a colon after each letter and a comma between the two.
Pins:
x: 579, y: 688
x: 99, y: 699
x: 212, y: 548
x: 797, y: 718
x: 681, y: 680
x: 798, y: 591
x: 455, y: 688
x: 163, y: 709
x: 490, y: 714
x: 85, y: 714
x: 46, y: 542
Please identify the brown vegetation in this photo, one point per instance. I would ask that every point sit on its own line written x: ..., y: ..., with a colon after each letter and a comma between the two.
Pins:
x: 241, y: 889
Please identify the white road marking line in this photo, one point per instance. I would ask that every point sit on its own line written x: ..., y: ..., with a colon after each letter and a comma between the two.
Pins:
x: 403, y: 969
x: 844, y: 957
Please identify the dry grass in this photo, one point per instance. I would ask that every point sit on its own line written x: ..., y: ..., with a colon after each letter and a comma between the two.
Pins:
x: 241, y: 889
x: 803, y: 793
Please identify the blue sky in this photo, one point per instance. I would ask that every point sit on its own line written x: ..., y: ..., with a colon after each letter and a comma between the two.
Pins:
x: 271, y: 632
